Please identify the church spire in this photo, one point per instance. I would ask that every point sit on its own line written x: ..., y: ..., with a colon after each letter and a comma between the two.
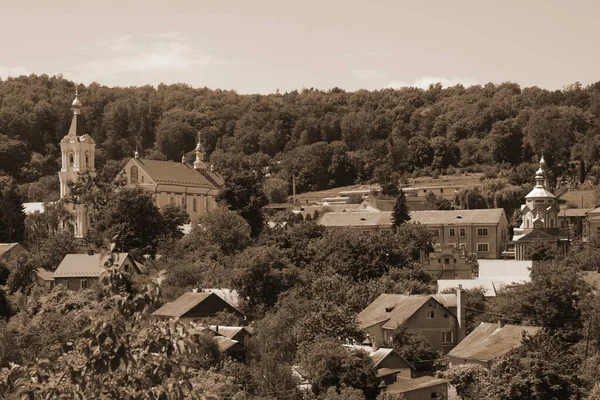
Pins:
x: 76, y: 128
x: 540, y: 174
x: 199, y: 164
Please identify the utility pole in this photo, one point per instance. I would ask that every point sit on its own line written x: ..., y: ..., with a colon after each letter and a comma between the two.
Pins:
x: 294, y: 187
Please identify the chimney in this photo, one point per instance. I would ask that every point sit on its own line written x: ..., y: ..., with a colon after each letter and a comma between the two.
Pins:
x: 500, y: 324
x: 217, y: 328
x: 460, y: 314
x: 90, y: 252
x: 375, y: 344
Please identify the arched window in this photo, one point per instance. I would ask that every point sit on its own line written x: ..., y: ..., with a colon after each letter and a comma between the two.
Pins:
x: 87, y: 159
x: 71, y: 159
x: 552, y: 223
x: 526, y: 223
x: 142, y: 179
x: 134, y: 174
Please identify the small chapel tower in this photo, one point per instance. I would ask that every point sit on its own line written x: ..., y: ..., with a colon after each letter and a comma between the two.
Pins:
x: 199, y: 163
x: 77, y: 150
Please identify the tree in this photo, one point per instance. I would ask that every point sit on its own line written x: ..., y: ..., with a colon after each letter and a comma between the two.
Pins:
x: 174, y: 217
x: 400, y: 213
x: 433, y: 202
x: 276, y: 190
x: 331, y: 365
x: 12, y: 217
x: 131, y: 214
x: 243, y: 193
x: 413, y: 347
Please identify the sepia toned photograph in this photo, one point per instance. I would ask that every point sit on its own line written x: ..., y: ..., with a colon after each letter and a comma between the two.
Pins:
x: 313, y: 200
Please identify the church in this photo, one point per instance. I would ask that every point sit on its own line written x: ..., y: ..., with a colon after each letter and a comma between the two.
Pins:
x: 540, y: 219
x: 193, y: 187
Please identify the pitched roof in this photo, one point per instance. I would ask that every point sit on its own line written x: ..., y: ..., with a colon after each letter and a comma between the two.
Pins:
x: 395, y: 309
x: 84, y: 265
x: 404, y: 385
x: 487, y: 285
x: 574, y: 212
x: 355, y: 219
x: 229, y: 295
x: 170, y: 172
x: 182, y: 305
x: 44, y: 274
x: 376, y: 356
x: 6, y: 247
x: 225, y: 343
x: 583, y: 198
x: 227, y: 331
x: 438, y: 217
x: 488, y: 341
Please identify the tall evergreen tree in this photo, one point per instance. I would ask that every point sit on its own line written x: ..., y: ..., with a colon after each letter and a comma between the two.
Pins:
x: 12, y: 217
x: 400, y: 212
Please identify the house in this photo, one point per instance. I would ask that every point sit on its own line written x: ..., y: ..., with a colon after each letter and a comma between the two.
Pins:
x: 193, y: 187
x: 229, y: 295
x: 79, y: 271
x: 448, y: 262
x: 487, y: 342
x: 11, y: 251
x: 440, y: 318
x: 483, y: 232
x: 44, y: 278
x: 574, y: 220
x: 423, y: 388
x: 194, y: 307
x: 390, y: 365
x: 593, y: 222
x: 367, y: 223
x: 231, y: 348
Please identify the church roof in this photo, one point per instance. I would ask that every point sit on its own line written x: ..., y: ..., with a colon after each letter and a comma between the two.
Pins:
x: 170, y: 172
x: 538, y: 192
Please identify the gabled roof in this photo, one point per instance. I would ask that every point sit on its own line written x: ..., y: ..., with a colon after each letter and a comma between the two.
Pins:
x: 574, y: 212
x: 229, y: 295
x: 541, y: 234
x: 182, y: 305
x: 84, y: 265
x: 378, y: 355
x: 393, y: 310
x: 356, y: 219
x: 170, y: 172
x: 491, y: 216
x: 488, y: 341
x: 228, y: 331
x: 225, y: 343
x: 6, y: 247
x: 405, y: 385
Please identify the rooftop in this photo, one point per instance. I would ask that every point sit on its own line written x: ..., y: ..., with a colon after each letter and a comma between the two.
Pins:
x: 403, y: 385
x: 489, y: 341
x: 170, y: 172
x: 369, y: 219
x: 438, y: 217
x: 486, y: 285
x: 83, y: 265
x: 5, y: 247
x: 182, y: 305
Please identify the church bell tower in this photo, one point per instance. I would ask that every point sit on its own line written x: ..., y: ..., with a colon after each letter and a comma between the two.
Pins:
x: 77, y: 149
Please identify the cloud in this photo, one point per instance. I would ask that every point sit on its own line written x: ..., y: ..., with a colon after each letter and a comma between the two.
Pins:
x: 153, y: 53
x: 424, y: 82
x: 366, y: 74
x: 5, y: 72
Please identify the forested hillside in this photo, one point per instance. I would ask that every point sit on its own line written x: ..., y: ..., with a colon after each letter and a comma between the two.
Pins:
x: 329, y: 138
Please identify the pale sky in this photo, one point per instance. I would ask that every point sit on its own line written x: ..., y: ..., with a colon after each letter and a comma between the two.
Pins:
x: 259, y: 46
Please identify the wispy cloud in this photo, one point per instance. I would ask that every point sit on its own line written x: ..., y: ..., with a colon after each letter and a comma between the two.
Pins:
x: 367, y: 73
x: 161, y: 52
x: 5, y: 72
x: 424, y: 82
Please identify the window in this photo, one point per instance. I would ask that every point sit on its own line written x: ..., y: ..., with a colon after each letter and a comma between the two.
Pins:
x: 172, y: 201
x: 366, y: 233
x: 482, y: 231
x: 483, y: 247
x: 142, y: 178
x: 83, y: 284
x: 87, y: 159
x: 134, y: 174
x: 194, y: 204
x: 183, y: 202
x: 71, y: 159
x: 446, y: 261
x: 447, y: 337
x: 430, y: 314
x: 452, y: 232
x: 463, y: 232
x: 435, y: 232
x: 552, y: 223
x: 386, y: 232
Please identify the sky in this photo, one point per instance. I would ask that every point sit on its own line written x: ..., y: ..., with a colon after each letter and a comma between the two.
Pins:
x: 261, y: 46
